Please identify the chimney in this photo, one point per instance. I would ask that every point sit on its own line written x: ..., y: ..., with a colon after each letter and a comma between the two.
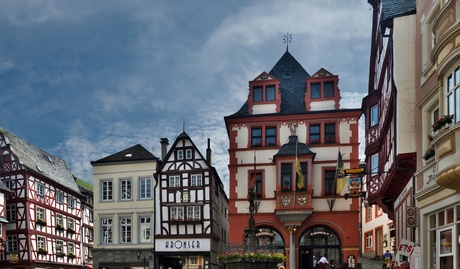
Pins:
x: 164, y: 147
x: 208, y: 152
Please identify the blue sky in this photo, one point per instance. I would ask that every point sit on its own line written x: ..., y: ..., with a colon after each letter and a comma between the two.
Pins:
x: 85, y: 79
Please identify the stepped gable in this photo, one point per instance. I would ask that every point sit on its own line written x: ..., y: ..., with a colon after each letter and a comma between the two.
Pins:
x: 134, y: 153
x: 40, y: 161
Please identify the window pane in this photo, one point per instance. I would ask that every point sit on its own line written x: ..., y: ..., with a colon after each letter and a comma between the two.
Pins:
x: 270, y: 93
x: 315, y: 134
x: 329, y: 89
x: 329, y: 179
x: 329, y: 133
x: 256, y: 138
x: 374, y: 115
x: 270, y: 136
x: 315, y: 90
x: 257, y: 94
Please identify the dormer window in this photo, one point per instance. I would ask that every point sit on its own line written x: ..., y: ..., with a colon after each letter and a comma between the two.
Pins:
x: 315, y: 90
x: 329, y: 89
x: 258, y: 93
x: 287, y: 73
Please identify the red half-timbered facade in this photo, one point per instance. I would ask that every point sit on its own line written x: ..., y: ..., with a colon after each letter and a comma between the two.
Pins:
x: 43, y: 209
x: 191, y: 215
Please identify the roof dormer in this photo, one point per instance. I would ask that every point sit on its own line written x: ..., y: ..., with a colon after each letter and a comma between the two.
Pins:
x: 322, y: 91
x: 264, y: 95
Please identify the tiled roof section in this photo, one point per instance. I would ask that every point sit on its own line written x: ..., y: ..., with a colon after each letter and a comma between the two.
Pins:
x: 134, y: 153
x: 292, y: 147
x: 397, y: 8
x: 40, y: 161
x: 3, y: 187
x: 292, y: 88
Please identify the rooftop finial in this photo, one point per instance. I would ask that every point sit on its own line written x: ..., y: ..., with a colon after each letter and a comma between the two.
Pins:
x: 183, y: 127
x: 287, y: 39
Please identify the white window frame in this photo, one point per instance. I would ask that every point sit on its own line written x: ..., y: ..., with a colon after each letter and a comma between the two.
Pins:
x: 126, y: 189
x: 174, y: 181
x: 188, y: 153
x: 196, y: 180
x: 59, y: 245
x: 145, y: 230
x: 453, y: 94
x: 70, y: 248
x: 59, y: 197
x: 177, y: 213
x: 126, y: 230
x: 193, y: 213
x: 145, y: 188
x: 374, y: 164
x: 40, y: 213
x: 106, y: 231
x: 60, y: 219
x: 11, y: 212
x: 106, y: 190
x: 71, y: 202
x: 374, y: 115
x: 40, y: 189
x: 12, y: 244
x: 369, y: 239
x: 180, y: 154
x: 71, y: 223
x: 41, y: 242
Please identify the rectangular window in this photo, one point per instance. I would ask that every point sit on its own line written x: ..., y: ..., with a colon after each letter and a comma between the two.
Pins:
x: 315, y: 135
x: 174, y: 181
x: 60, y: 220
x: 369, y: 212
x: 258, y: 94
x: 145, y: 228
x: 270, y: 136
x: 329, y: 133
x: 286, y: 177
x: 59, y: 197
x: 70, y: 248
x: 329, y: 89
x: 106, y: 190
x: 257, y: 183
x: 12, y: 244
x: 145, y: 186
x: 180, y: 154
x: 271, y: 93
x: 256, y: 137
x: 196, y: 180
x: 41, y: 214
x: 70, y: 223
x: 374, y: 115
x: 315, y: 90
x: 193, y: 260
x: 106, y: 228
x: 40, y: 190
x: 41, y: 242
x: 177, y: 213
x: 369, y: 241
x: 9, y: 184
x: 329, y: 180
x: 125, y: 188
x: 59, y: 247
x: 125, y: 230
x: 374, y: 164
x: 188, y: 154
x: 11, y: 213
x: 193, y: 213
x: 71, y: 202
x: 453, y: 94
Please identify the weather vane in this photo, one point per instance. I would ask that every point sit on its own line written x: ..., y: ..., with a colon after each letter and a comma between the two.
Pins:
x: 287, y: 39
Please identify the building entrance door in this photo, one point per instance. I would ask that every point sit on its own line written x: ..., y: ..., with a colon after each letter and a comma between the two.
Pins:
x: 316, y: 242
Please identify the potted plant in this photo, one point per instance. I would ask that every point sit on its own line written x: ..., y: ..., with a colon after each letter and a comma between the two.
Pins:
x: 70, y: 230
x: 59, y: 227
x: 41, y: 222
x: 71, y: 255
x: 446, y: 119
x: 428, y: 154
x: 42, y: 251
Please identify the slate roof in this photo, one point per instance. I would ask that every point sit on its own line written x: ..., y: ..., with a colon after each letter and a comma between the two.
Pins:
x: 40, y: 161
x: 397, y: 8
x: 292, y: 147
x: 134, y: 153
x: 292, y: 88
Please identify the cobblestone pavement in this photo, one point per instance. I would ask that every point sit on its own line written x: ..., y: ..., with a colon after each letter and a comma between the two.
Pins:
x: 370, y: 264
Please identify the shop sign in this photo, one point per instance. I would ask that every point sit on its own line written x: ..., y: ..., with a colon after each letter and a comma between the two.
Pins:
x: 405, y: 247
x: 182, y: 245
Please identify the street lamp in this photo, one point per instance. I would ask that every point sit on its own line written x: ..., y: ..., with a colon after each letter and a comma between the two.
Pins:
x: 150, y: 257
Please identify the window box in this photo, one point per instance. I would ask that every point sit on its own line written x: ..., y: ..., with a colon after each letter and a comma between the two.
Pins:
x: 59, y: 227
x: 330, y: 141
x: 41, y: 222
x: 441, y: 122
x: 271, y: 144
x: 42, y: 251
x: 257, y: 145
x: 71, y: 255
x: 60, y: 254
x: 286, y: 189
x: 315, y: 141
x: 429, y: 153
x: 70, y: 231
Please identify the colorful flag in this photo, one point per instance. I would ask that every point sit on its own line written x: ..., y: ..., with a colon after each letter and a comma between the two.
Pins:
x: 298, y: 170
x: 341, y: 177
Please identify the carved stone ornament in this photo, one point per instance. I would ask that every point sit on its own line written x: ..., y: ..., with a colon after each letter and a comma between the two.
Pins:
x: 286, y: 200
x: 302, y: 200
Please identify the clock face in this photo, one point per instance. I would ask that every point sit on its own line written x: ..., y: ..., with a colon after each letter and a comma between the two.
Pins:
x: 285, y: 200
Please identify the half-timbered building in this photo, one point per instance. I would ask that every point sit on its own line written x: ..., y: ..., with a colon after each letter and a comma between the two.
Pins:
x: 292, y: 124
x: 191, y: 215
x: 87, y: 231
x: 124, y: 205
x: 43, y: 210
x: 4, y: 192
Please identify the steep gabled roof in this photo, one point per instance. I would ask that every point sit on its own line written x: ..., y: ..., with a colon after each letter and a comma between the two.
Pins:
x: 40, y: 161
x: 292, y: 87
x: 134, y: 153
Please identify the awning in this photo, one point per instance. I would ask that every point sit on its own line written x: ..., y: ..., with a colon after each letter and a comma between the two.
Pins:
x: 450, y: 179
x: 3, y: 220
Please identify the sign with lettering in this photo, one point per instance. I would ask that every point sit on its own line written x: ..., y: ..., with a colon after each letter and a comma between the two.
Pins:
x: 354, y: 171
x: 355, y: 194
x: 405, y: 248
x: 183, y: 245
